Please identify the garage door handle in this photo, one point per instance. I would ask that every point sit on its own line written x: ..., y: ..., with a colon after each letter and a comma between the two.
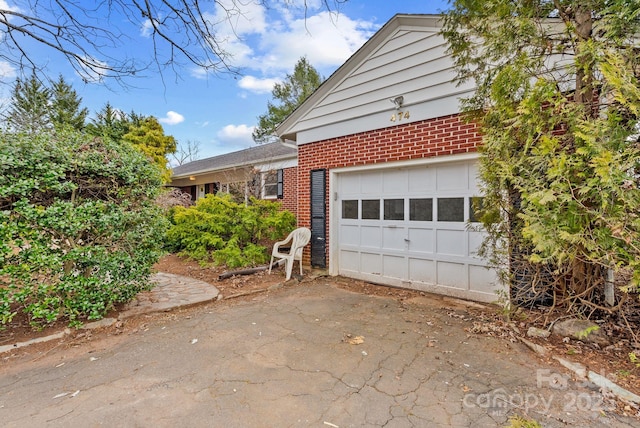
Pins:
x: 407, y: 240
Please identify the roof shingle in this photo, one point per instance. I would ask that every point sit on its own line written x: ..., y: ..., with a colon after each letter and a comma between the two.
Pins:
x: 250, y: 156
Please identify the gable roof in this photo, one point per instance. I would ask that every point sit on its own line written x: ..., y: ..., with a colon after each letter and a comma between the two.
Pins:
x: 247, y: 157
x: 408, y: 57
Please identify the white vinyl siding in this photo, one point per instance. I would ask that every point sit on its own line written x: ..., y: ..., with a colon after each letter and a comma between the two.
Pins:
x: 409, y: 60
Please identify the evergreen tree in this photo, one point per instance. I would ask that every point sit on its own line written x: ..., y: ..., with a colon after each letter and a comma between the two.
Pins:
x: 30, y: 109
x: 110, y: 123
x: 290, y: 94
x: 65, y: 106
x: 558, y: 100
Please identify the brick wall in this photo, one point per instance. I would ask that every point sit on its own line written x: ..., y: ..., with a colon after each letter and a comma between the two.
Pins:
x: 290, y: 189
x: 447, y: 135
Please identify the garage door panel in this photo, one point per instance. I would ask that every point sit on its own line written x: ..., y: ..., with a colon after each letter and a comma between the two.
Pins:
x: 421, y: 240
x: 483, y: 279
x: 350, y: 184
x: 394, y: 181
x: 421, y: 270
x: 350, y: 260
x: 350, y: 234
x: 393, y: 238
x: 371, y: 263
x: 473, y: 178
x: 394, y: 266
x: 452, y: 177
x: 370, y: 236
x: 452, y: 275
x: 371, y: 183
x: 475, y: 241
x: 451, y: 242
x: 422, y: 180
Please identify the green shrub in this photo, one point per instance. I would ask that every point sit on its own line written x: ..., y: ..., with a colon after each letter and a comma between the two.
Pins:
x: 79, y: 230
x: 220, y: 230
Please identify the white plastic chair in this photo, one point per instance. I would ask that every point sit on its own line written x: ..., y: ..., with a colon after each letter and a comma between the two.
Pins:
x: 298, y: 238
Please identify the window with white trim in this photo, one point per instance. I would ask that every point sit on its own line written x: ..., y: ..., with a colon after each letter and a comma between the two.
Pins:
x: 272, y: 184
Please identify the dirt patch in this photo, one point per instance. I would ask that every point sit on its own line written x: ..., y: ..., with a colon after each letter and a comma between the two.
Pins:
x: 210, y: 273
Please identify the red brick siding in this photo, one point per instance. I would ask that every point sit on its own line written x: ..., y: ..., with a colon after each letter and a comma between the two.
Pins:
x: 447, y: 135
x: 290, y: 189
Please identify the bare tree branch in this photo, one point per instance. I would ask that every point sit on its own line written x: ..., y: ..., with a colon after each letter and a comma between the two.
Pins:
x: 186, y: 152
x: 93, y: 36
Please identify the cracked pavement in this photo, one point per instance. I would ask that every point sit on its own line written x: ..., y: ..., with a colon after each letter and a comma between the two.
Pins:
x: 285, y: 360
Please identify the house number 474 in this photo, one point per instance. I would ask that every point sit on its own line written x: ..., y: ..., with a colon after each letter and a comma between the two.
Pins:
x: 397, y: 117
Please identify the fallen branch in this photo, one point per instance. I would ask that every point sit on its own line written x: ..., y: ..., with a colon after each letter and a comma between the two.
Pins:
x: 250, y: 271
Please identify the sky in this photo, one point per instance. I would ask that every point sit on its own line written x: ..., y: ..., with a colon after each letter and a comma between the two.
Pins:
x: 219, y: 111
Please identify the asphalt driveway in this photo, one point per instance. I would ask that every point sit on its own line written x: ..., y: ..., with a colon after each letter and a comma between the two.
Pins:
x: 312, y: 355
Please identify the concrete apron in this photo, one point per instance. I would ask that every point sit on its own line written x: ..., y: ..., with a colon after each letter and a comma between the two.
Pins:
x: 311, y: 355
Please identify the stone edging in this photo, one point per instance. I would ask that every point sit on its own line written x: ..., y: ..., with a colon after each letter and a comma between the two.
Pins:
x: 584, y: 374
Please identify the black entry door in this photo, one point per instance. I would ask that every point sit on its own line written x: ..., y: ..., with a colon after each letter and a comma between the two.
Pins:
x: 318, y: 218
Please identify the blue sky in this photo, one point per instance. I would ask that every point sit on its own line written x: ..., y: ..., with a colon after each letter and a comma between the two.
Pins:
x: 220, y: 111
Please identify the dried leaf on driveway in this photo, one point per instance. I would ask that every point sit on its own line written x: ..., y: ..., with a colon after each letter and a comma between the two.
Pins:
x: 353, y: 340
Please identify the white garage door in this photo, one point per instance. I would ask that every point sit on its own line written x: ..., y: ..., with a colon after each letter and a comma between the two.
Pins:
x: 409, y: 227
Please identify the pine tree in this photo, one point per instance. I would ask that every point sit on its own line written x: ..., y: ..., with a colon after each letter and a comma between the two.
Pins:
x: 290, y: 93
x: 30, y: 107
x: 65, y: 106
x: 110, y: 123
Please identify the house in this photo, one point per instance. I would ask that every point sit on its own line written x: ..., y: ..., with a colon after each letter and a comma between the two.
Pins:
x: 387, y: 168
x: 267, y: 171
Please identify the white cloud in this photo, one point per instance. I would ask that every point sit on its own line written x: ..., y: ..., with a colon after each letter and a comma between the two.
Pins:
x: 272, y: 40
x: 5, y: 6
x: 236, y: 134
x: 172, y: 118
x: 259, y: 86
x: 266, y: 43
x: 233, y: 22
x: 302, y: 4
x: 198, y: 73
x: 326, y: 39
x: 91, y: 70
x: 7, y: 71
x: 238, y: 18
x: 146, y: 29
x: 229, y: 139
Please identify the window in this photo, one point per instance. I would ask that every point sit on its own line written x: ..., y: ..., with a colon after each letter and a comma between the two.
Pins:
x: 421, y: 209
x: 394, y: 209
x: 350, y: 209
x: 475, y: 208
x: 450, y: 209
x: 371, y: 209
x: 273, y: 183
